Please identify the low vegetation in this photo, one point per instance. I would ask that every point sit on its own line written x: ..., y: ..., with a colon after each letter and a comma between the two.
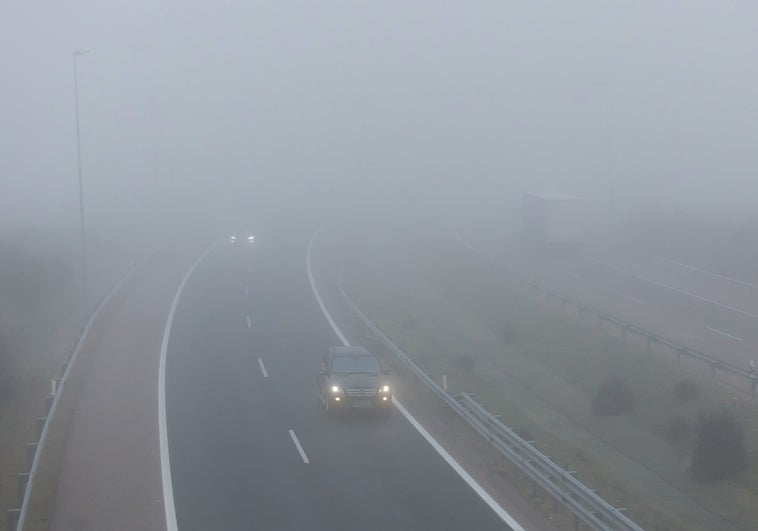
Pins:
x: 720, y: 447
x: 613, y: 398
x: 677, y: 429
x: 686, y: 391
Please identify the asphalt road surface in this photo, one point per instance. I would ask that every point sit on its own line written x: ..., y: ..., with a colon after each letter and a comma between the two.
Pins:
x: 694, y: 308
x: 249, y: 446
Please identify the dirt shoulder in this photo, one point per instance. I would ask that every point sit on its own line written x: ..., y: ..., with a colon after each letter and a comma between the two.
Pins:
x: 100, y: 468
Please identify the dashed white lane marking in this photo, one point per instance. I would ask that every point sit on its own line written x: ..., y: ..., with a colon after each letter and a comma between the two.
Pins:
x: 249, y: 322
x: 704, y: 271
x: 677, y: 290
x: 721, y: 332
x: 299, y: 448
x: 247, y: 290
x: 449, y: 459
x: 633, y: 299
x: 263, y: 369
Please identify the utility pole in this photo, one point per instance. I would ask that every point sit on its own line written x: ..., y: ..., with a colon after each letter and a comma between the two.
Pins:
x: 82, y: 235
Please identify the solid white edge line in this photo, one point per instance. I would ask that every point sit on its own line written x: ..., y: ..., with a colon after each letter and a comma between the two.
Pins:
x: 633, y: 299
x: 730, y: 336
x: 249, y: 322
x: 449, y: 459
x: 683, y: 292
x: 334, y: 326
x: 704, y: 271
x: 263, y: 369
x: 168, y: 487
x: 299, y: 447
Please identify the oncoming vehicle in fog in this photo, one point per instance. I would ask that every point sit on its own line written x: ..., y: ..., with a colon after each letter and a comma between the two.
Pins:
x: 353, y: 378
x: 239, y: 238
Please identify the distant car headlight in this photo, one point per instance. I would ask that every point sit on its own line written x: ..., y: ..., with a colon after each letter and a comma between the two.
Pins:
x: 251, y: 239
x: 384, y: 389
x: 336, y: 389
x: 232, y: 239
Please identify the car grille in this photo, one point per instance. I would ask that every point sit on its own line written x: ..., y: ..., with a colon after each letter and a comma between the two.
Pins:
x: 360, y: 392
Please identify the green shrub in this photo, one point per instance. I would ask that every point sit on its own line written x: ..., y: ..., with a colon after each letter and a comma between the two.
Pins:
x: 677, y: 429
x: 465, y: 362
x: 685, y: 390
x: 613, y: 398
x: 719, y: 448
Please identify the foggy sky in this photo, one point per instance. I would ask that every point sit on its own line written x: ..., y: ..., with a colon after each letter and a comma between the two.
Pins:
x: 220, y: 109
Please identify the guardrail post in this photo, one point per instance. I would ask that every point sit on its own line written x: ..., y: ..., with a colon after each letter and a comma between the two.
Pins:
x: 40, y: 426
x: 650, y: 340
x: 31, y: 449
x: 752, y: 386
x: 48, y: 403
x: 679, y: 352
x: 21, y: 480
x: 11, y: 516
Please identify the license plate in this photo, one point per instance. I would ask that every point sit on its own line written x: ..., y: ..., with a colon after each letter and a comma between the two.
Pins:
x: 362, y: 402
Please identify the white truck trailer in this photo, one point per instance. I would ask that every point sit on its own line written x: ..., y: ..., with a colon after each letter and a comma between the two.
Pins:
x: 553, y: 221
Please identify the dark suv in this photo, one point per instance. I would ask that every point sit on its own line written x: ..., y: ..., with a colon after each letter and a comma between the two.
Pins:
x: 353, y: 378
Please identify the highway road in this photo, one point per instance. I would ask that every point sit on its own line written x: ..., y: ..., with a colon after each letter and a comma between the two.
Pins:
x: 250, y: 448
x: 693, y: 307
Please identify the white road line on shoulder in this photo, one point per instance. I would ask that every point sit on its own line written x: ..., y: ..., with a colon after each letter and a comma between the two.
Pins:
x: 168, y: 487
x: 263, y: 369
x: 704, y: 271
x: 249, y: 322
x: 299, y: 448
x: 634, y: 299
x: 683, y: 292
x: 247, y: 290
x: 450, y: 460
x: 329, y: 319
x: 721, y: 332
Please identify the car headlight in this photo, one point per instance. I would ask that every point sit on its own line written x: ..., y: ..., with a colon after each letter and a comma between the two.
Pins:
x: 336, y: 389
x: 251, y: 239
x: 232, y: 238
x: 384, y: 389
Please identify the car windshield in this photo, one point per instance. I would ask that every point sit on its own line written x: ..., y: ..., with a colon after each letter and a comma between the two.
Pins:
x: 355, y: 365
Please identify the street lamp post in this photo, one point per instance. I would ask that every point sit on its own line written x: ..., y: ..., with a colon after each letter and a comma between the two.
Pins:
x: 85, y: 295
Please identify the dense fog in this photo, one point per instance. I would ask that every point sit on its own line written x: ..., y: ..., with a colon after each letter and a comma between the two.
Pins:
x: 221, y: 111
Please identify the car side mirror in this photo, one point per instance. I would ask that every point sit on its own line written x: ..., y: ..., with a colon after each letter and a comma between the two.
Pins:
x: 322, y: 373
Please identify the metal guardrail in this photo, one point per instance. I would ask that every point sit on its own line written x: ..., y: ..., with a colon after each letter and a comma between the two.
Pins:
x: 17, y: 517
x: 650, y: 337
x: 585, y: 504
x: 680, y: 350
